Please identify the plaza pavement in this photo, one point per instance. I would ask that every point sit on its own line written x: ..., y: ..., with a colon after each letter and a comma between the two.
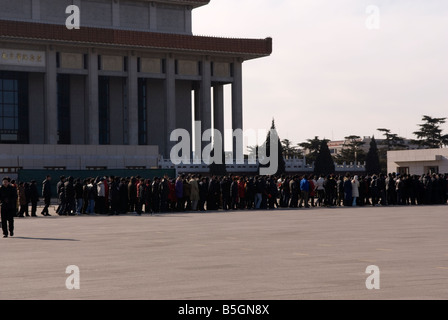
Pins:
x: 285, y: 254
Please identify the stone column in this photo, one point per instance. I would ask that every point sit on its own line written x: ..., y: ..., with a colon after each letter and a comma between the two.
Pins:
x: 237, y: 107
x: 132, y: 100
x: 51, y: 108
x: 206, y: 99
x: 218, y: 111
x: 170, y: 112
x: 92, y: 97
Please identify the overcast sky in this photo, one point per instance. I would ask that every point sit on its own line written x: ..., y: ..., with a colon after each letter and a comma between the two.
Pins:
x: 329, y: 75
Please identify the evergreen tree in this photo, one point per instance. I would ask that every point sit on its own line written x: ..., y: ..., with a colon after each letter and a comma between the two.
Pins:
x: 351, y: 151
x: 391, y: 142
x: 324, y: 162
x: 290, y: 151
x: 313, y: 146
x: 373, y: 158
x: 267, y: 146
x: 430, y: 134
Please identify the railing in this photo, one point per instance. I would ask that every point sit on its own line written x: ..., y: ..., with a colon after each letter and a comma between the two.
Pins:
x: 291, y: 165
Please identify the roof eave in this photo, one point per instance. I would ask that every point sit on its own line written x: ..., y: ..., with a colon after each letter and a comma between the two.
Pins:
x: 242, y: 55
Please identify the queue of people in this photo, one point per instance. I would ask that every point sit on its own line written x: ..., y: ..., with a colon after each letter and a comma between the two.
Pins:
x: 119, y: 195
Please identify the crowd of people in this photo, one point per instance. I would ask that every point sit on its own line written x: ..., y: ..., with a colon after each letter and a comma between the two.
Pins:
x: 120, y: 195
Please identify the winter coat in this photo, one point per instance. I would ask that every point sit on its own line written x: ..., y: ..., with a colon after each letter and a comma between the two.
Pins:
x: 22, y: 196
x: 179, y: 187
x: 194, y: 190
x: 46, y: 189
x: 101, y: 189
x: 355, y: 187
x: 241, y: 189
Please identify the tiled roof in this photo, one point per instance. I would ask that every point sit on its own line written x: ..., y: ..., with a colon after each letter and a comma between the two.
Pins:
x: 244, y: 48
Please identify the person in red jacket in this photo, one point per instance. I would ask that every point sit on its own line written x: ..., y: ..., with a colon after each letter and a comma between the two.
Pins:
x: 312, y: 193
x: 242, y: 192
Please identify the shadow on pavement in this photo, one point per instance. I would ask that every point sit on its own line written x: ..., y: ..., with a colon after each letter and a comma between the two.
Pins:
x: 46, y: 239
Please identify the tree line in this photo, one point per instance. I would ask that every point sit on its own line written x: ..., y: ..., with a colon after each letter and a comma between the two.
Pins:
x: 428, y: 136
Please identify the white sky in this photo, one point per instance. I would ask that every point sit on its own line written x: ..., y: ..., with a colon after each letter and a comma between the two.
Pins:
x: 329, y: 75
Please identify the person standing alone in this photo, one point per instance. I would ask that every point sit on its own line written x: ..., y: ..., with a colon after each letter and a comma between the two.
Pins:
x: 34, y: 197
x: 46, y: 194
x: 8, y: 198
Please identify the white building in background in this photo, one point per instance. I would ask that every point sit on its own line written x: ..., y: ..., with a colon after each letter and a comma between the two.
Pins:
x: 337, y: 146
x: 418, y: 161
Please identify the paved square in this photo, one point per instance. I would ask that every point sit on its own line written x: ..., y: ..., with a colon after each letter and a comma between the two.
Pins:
x: 280, y: 254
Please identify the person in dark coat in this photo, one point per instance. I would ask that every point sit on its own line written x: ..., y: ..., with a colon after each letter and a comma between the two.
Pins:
x: 61, y: 195
x: 179, y: 190
x: 46, y: 194
x: 22, y: 201
x: 391, y: 194
x: 141, y: 196
x: 347, y: 191
x: 225, y: 191
x: 85, y: 195
x: 123, y: 196
x: 8, y: 199
x: 69, y: 190
x: 114, y: 195
x: 286, y: 192
x: 272, y: 194
x: 148, y: 196
x: 234, y: 194
x: 382, y: 189
x: 155, y: 195
x: 132, y: 194
x: 340, y: 191
x: 264, y: 193
x: 78, y: 196
x: 34, y: 197
x: 374, y: 190
x: 203, y: 194
x: 164, y: 191
x: 213, y: 194
x: 172, y: 195
x: 250, y: 193
x: 258, y: 192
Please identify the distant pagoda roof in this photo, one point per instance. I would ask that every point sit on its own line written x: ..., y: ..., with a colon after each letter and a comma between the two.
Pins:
x: 243, y: 48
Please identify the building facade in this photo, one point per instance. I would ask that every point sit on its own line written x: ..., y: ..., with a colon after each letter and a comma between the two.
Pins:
x: 418, y: 161
x: 110, y: 93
